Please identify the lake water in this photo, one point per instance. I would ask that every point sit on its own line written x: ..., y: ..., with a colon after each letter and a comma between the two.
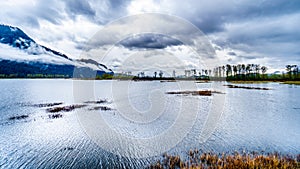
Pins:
x: 143, y: 123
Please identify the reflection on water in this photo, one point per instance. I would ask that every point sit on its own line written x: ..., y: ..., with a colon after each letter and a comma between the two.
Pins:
x: 259, y: 120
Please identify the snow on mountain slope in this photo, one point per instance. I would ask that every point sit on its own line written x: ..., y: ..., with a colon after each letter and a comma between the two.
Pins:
x: 35, y: 55
x: 16, y: 46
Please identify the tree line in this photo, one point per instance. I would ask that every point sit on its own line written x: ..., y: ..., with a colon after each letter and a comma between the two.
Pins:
x: 255, y: 72
x: 243, y: 72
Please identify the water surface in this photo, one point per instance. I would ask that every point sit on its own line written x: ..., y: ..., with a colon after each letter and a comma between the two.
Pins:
x: 260, y: 120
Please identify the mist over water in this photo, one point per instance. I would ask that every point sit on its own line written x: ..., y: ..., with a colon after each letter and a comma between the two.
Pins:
x: 251, y: 120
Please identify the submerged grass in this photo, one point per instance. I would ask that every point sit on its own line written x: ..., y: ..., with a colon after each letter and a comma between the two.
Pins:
x: 47, y: 104
x: 64, y: 108
x: 292, y: 82
x: 195, y: 93
x: 197, y: 160
x: 247, y: 87
x: 19, y: 117
x: 104, y: 108
x: 250, y: 82
x: 257, y: 82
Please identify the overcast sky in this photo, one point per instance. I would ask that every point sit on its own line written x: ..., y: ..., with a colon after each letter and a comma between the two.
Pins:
x: 241, y: 31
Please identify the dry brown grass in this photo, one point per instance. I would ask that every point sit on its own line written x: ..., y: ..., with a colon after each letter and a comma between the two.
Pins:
x: 209, y: 160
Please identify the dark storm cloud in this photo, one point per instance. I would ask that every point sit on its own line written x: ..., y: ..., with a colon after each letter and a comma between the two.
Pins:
x: 149, y: 41
x: 267, y: 28
x: 212, y: 16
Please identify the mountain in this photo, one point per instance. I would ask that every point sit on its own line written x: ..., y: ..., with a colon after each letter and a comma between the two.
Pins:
x: 21, y: 56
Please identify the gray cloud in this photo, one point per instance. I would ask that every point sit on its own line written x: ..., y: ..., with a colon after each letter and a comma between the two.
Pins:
x: 118, y: 4
x: 79, y: 7
x: 266, y: 28
x: 212, y: 16
x: 31, y: 21
x: 231, y: 53
x: 51, y: 13
x: 30, y: 14
x: 276, y: 37
x: 249, y: 57
x: 100, y: 12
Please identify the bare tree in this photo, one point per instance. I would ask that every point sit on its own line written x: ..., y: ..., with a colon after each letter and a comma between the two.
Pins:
x: 257, y: 68
x: 264, y: 69
x: 228, y: 70
x: 206, y: 72
x: 239, y: 68
x: 243, y: 68
x: 160, y: 74
x: 187, y: 73
x: 295, y: 69
x: 235, y: 69
x: 223, y: 69
x: 248, y: 68
x: 194, y: 71
x: 289, y: 70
